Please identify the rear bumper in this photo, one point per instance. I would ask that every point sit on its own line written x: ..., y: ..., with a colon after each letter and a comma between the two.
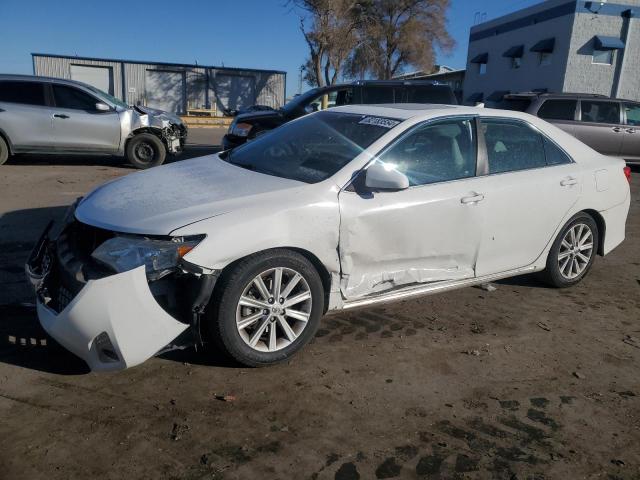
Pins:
x: 113, y: 323
x: 615, y: 220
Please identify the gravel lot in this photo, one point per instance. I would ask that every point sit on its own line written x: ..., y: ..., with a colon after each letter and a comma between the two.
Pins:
x: 524, y: 382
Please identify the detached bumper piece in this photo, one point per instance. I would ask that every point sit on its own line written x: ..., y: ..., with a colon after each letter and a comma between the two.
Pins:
x: 111, y: 320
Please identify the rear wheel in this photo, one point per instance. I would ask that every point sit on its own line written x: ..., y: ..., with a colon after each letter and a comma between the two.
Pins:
x: 573, y: 252
x: 266, y: 308
x: 4, y: 151
x: 145, y: 150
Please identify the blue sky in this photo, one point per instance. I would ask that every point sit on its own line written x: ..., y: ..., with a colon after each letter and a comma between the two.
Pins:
x: 248, y: 33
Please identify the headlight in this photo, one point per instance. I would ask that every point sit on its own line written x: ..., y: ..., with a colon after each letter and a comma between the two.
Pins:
x: 241, y: 129
x: 126, y: 253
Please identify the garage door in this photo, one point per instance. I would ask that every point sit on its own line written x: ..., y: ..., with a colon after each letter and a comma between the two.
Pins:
x: 234, y: 91
x: 165, y: 90
x: 99, y: 77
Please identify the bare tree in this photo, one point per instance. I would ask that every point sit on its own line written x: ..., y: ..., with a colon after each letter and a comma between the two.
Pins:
x: 330, y: 28
x: 398, y: 33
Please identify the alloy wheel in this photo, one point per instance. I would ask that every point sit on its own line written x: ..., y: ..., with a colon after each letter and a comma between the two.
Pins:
x: 575, y: 251
x: 273, y: 309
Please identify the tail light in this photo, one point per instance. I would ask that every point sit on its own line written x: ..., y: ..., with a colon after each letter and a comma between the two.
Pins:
x: 627, y: 173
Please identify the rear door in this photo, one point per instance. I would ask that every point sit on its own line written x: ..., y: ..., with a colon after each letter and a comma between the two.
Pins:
x: 562, y: 112
x: 600, y: 126
x: 631, y: 142
x: 530, y: 186
x: 78, y: 125
x: 25, y: 117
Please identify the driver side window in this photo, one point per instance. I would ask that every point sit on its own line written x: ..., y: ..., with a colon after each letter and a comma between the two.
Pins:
x: 73, y: 98
x: 436, y: 152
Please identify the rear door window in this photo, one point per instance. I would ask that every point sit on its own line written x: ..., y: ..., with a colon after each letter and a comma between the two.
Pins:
x: 558, y: 110
x: 600, y: 112
x: 512, y: 146
x: 633, y: 114
x: 373, y: 95
x: 73, y: 98
x: 27, y: 93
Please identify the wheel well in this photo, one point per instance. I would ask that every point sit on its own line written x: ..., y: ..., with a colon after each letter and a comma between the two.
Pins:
x: 602, y: 228
x: 153, y: 131
x: 7, y: 141
x: 325, y: 276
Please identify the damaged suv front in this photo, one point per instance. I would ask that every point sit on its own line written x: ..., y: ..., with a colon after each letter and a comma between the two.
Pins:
x: 112, y: 298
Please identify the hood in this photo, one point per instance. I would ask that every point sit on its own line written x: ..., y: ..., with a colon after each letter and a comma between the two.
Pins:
x: 162, y: 199
x: 158, y: 115
x: 260, y: 115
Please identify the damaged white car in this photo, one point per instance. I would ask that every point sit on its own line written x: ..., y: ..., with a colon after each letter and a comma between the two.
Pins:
x: 248, y: 249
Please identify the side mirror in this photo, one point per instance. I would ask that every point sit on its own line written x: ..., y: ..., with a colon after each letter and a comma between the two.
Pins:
x: 380, y: 176
x: 102, y: 107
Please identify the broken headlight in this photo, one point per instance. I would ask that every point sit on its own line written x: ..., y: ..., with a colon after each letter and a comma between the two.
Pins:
x: 158, y: 256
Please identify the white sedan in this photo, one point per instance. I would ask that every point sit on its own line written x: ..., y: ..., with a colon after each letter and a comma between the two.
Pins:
x: 345, y: 208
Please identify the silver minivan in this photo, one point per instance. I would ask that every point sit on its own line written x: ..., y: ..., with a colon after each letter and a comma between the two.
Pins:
x: 52, y: 115
x: 609, y: 126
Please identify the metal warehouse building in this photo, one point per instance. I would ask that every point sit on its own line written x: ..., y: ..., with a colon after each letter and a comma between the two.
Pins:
x: 173, y: 87
x: 557, y: 46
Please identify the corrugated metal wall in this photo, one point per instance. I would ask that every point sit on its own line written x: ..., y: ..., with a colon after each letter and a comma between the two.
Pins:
x: 268, y: 87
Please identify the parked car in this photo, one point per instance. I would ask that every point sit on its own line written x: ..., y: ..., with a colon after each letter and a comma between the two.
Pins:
x: 248, y: 126
x: 52, y: 115
x: 340, y: 209
x: 610, y: 126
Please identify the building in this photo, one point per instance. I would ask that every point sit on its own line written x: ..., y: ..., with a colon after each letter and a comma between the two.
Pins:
x: 441, y: 74
x: 173, y: 87
x: 557, y: 46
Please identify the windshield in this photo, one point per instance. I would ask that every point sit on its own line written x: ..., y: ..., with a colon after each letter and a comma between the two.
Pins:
x: 106, y: 96
x: 312, y: 148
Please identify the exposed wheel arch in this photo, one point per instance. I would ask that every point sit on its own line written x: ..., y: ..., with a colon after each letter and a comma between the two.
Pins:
x: 7, y: 140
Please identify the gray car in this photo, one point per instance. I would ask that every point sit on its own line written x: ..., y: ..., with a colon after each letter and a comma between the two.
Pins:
x: 52, y: 115
x: 609, y: 126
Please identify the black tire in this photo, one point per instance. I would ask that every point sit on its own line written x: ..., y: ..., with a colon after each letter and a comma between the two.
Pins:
x: 4, y: 151
x: 552, y: 274
x: 145, y: 150
x: 220, y: 321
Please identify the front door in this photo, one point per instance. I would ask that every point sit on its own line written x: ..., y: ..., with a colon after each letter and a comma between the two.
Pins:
x: 78, y: 125
x: 530, y: 187
x: 427, y: 233
x: 631, y: 142
x: 600, y: 126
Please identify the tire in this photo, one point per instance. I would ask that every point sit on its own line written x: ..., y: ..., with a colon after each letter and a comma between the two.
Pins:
x: 145, y: 150
x: 566, y: 265
x: 4, y: 151
x: 225, y: 309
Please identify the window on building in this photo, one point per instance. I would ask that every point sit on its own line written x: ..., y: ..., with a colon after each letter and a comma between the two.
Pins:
x: 516, y: 62
x: 73, y: 98
x: 600, y: 112
x: 482, y: 68
x: 512, y: 146
x: 603, y: 57
x: 435, y: 153
x: 633, y: 114
x: 29, y: 93
x: 558, y: 110
x: 545, y: 58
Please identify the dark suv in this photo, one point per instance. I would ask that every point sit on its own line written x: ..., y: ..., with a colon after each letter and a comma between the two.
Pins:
x: 248, y: 125
x: 610, y: 126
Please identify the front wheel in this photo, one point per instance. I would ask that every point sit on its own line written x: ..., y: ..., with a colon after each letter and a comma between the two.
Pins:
x: 266, y: 308
x: 145, y: 150
x: 573, y: 252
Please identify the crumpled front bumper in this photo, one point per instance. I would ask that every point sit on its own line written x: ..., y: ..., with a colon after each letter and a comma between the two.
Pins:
x: 113, y: 323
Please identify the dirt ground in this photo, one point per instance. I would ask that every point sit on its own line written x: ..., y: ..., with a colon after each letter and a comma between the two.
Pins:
x: 524, y: 382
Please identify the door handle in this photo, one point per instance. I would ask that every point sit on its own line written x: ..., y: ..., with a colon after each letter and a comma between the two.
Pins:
x: 475, y: 198
x: 60, y: 115
x: 617, y: 129
x: 569, y: 181
x: 630, y: 130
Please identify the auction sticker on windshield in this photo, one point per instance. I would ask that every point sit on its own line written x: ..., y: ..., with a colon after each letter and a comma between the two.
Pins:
x: 379, y: 121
